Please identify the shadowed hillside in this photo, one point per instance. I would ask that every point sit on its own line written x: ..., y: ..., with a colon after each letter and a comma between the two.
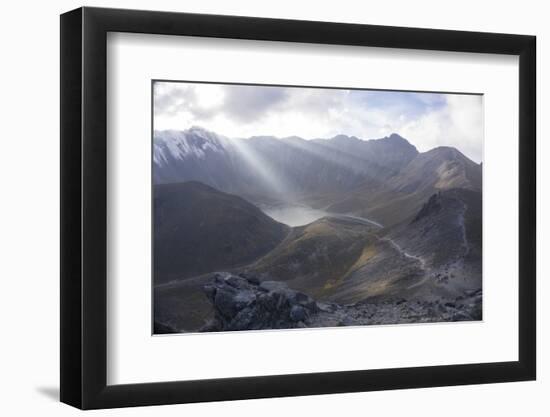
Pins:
x: 199, y: 229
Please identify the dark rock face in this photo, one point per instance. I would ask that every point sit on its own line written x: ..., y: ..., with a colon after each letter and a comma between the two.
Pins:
x: 433, y: 205
x: 243, y: 303
x: 161, y: 328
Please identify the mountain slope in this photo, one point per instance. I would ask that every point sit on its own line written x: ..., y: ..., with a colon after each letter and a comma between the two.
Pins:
x: 436, y: 254
x: 198, y: 229
x: 313, y: 257
x: 402, y: 195
x: 193, y: 155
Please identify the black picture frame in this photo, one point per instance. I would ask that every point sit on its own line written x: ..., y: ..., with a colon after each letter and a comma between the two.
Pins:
x: 84, y: 207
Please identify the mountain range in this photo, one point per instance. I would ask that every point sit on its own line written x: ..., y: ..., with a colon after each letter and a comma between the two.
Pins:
x: 393, y: 222
x: 386, y: 179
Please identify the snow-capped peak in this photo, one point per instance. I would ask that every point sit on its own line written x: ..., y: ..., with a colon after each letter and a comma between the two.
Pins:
x: 194, y: 142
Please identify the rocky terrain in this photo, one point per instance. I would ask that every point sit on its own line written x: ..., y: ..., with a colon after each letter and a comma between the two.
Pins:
x: 395, y: 237
x: 242, y: 302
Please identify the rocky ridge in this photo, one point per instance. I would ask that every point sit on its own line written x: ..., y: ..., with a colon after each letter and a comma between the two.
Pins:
x: 242, y: 302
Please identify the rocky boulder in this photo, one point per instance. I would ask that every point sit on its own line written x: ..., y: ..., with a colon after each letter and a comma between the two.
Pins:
x: 242, y: 302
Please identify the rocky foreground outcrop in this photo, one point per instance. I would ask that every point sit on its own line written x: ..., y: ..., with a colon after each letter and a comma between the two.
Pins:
x: 242, y: 302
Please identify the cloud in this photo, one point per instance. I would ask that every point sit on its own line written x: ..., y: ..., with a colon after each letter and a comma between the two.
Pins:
x: 458, y: 123
x: 249, y: 104
x: 426, y: 119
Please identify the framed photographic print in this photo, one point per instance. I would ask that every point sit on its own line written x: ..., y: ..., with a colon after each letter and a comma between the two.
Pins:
x: 258, y: 207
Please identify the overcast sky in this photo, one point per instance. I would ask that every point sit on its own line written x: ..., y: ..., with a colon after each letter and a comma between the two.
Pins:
x: 427, y: 120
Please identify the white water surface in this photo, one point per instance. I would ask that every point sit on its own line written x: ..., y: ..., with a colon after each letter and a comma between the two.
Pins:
x: 294, y: 215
